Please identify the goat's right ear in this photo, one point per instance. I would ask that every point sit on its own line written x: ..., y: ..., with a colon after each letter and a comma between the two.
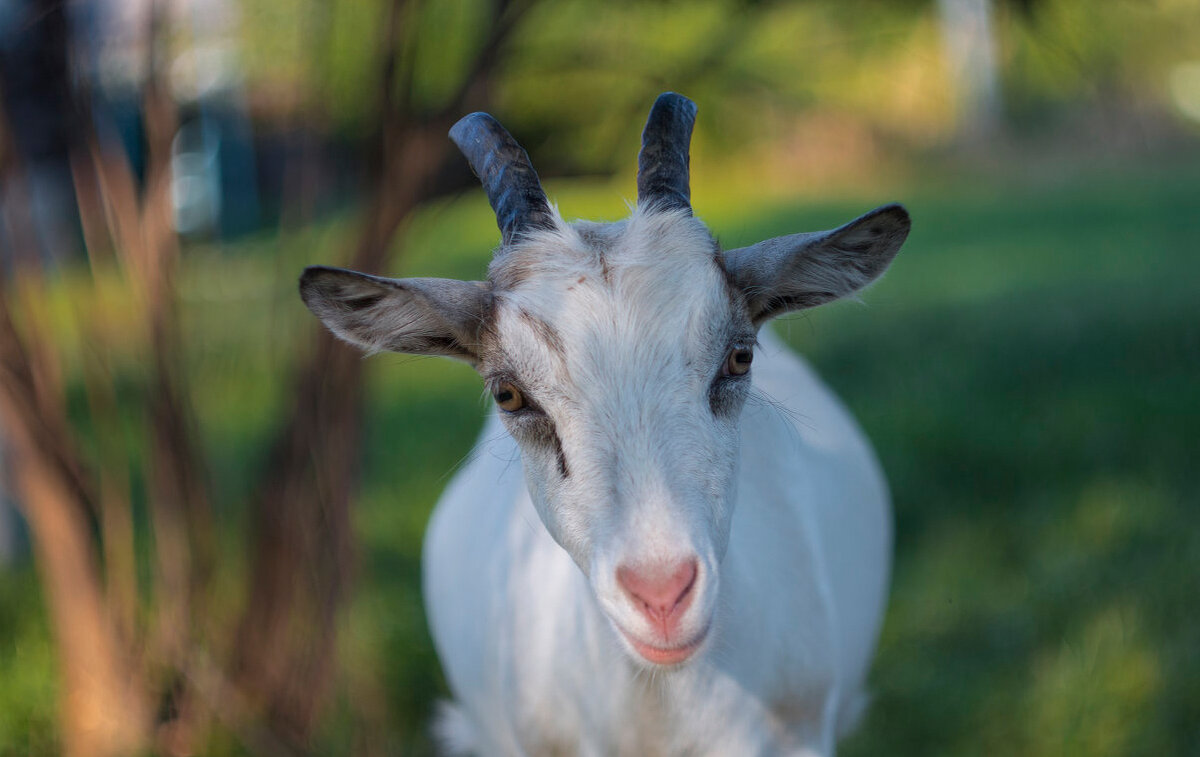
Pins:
x: 804, y: 270
x: 417, y: 316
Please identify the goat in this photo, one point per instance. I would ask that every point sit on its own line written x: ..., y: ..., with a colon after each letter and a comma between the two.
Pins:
x: 696, y: 558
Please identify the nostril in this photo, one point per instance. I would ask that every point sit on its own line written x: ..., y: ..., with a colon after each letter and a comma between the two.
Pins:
x: 660, y: 589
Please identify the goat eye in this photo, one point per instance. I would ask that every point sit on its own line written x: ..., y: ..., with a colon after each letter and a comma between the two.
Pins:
x: 738, y: 362
x: 508, y: 397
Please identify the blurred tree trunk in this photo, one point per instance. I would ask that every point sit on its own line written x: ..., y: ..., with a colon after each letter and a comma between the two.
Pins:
x: 103, y: 703
x: 148, y: 671
x: 303, y: 556
x: 8, y: 536
x: 110, y: 666
x: 103, y: 706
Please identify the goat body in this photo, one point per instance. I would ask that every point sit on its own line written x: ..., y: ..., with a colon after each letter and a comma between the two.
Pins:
x: 537, y: 669
x: 655, y: 549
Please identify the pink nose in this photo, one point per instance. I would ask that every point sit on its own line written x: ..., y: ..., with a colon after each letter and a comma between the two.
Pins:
x: 662, y: 593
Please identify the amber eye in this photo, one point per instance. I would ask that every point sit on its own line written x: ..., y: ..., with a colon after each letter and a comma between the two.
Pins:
x: 738, y: 362
x: 508, y: 397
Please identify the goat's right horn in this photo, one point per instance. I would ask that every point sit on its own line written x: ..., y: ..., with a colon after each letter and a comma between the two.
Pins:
x: 508, y: 177
x: 663, y: 162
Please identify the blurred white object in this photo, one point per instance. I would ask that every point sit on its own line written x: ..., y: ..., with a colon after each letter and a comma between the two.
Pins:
x: 196, y: 178
x: 970, y: 46
x: 1184, y: 84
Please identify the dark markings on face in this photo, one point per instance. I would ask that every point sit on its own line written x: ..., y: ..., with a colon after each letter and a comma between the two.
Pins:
x: 510, y: 270
x: 726, y: 395
x: 545, y: 332
x: 605, y: 271
x: 531, y: 425
x: 563, y: 469
x: 597, y: 236
x: 737, y: 298
x: 488, y: 352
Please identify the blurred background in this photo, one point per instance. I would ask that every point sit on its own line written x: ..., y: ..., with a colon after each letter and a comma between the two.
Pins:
x: 211, y: 517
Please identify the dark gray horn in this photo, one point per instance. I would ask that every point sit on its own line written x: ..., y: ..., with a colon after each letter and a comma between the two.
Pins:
x: 663, y: 161
x: 508, y: 177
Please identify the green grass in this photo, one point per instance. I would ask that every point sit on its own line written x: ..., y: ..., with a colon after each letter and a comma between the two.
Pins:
x: 1028, y: 371
x: 1038, y: 423
x: 27, y: 669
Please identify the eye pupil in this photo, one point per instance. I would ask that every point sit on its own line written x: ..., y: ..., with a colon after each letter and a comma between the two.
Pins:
x: 508, y: 397
x: 738, y: 362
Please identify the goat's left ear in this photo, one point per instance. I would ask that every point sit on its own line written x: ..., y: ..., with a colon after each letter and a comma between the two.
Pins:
x: 417, y: 316
x: 803, y: 270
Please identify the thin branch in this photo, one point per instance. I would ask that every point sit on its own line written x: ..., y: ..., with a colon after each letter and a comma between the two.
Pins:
x: 506, y: 15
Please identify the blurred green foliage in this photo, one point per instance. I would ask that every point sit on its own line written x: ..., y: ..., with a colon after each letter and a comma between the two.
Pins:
x: 1028, y: 373
x: 577, y: 71
x: 28, y: 683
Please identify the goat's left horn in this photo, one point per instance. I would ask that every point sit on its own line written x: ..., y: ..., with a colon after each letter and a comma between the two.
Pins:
x: 508, y: 177
x: 663, y: 162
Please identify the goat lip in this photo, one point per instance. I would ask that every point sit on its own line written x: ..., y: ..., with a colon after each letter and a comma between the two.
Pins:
x: 666, y: 656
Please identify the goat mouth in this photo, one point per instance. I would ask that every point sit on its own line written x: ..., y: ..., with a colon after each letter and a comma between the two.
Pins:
x: 666, y: 656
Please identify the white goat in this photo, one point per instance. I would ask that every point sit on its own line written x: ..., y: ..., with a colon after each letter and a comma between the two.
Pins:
x: 685, y: 567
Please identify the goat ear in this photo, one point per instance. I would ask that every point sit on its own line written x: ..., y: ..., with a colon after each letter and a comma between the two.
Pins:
x: 418, y: 316
x: 804, y: 270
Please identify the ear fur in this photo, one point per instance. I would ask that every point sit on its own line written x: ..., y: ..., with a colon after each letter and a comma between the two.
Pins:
x: 418, y: 316
x: 804, y: 270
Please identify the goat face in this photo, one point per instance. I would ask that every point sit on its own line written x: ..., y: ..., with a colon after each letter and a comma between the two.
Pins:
x: 619, y: 356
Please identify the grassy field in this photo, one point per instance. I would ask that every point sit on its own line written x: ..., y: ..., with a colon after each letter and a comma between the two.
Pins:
x: 1029, y: 372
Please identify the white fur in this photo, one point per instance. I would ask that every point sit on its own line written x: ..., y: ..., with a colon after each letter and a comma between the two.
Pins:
x: 781, y: 501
